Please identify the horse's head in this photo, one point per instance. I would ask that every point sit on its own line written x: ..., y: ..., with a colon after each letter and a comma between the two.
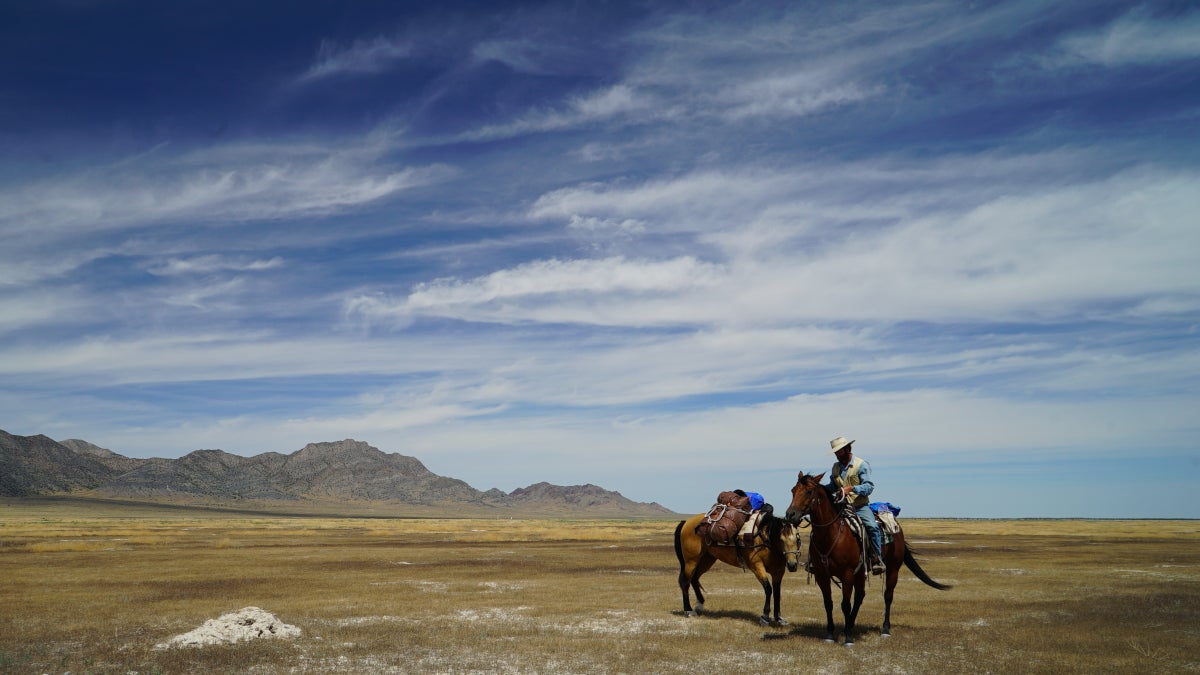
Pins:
x: 803, y: 493
x: 789, y: 542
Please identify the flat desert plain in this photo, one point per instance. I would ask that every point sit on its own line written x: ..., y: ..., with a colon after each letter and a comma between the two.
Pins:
x: 97, y: 587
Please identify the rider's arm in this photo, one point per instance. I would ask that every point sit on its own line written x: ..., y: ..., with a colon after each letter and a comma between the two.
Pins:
x: 865, y: 486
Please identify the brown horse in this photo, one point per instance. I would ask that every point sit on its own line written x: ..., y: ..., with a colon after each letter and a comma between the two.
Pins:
x: 776, y: 547
x: 835, y: 554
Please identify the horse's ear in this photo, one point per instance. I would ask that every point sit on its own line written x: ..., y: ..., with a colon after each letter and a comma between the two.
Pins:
x: 819, y: 476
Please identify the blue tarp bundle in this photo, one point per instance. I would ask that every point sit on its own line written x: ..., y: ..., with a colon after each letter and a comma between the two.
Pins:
x: 879, y: 506
x: 756, y: 500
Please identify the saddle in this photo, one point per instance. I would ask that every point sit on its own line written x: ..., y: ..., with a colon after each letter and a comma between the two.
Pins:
x: 885, y: 518
x: 725, y: 521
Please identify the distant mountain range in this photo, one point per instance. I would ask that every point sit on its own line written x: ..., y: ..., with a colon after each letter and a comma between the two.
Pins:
x: 345, y: 475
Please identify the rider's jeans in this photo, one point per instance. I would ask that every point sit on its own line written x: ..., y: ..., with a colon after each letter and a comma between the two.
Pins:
x: 867, y: 516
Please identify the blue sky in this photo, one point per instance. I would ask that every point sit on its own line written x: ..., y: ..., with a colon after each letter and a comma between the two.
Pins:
x: 667, y: 248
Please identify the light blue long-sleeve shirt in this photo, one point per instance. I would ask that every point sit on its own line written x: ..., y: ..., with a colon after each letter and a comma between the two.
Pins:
x: 865, y: 486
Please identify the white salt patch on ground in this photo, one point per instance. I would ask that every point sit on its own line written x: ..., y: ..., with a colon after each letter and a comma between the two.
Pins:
x: 427, y: 586
x: 1165, y: 576
x: 627, y: 626
x: 493, y: 614
x: 368, y: 620
x: 248, y: 623
x: 501, y: 587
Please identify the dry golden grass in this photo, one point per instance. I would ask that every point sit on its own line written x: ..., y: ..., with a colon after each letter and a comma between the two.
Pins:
x: 93, y: 590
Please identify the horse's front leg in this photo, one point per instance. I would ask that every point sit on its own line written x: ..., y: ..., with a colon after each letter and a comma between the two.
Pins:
x: 777, y: 579
x: 856, y: 583
x: 765, y: 619
x: 827, y: 596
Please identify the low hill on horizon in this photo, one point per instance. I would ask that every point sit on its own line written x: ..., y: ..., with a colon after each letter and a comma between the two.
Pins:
x: 349, y: 473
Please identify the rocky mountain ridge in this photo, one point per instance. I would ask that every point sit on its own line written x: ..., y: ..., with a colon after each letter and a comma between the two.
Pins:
x: 347, y: 471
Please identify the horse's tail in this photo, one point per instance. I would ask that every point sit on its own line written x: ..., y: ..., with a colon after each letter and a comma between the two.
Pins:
x: 679, y: 544
x: 911, y: 563
x: 683, y: 580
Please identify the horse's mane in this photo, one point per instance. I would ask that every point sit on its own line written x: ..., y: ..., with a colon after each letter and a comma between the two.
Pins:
x: 772, y: 523
x: 829, y: 489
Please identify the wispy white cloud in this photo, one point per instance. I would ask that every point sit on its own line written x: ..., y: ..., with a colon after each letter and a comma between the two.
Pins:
x: 1136, y: 38
x: 30, y: 308
x: 691, y: 69
x: 527, y: 291
x: 1087, y: 250
x: 357, y: 58
x: 600, y: 106
x: 1066, y: 250
x: 536, y: 54
x: 695, y: 201
x: 207, y: 295
x: 792, y: 97
x: 200, y: 356
x: 234, y: 185
x: 213, y: 263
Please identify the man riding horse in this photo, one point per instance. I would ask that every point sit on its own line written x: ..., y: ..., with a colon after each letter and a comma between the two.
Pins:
x: 852, y: 476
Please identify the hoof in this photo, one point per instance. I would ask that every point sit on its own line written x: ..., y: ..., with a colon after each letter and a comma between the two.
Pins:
x: 780, y: 621
x: 700, y: 608
x: 849, y: 644
x: 830, y: 638
x: 693, y: 613
x: 885, y: 634
x: 764, y: 621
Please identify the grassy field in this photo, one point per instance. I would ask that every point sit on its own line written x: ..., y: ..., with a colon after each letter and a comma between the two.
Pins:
x: 94, y: 589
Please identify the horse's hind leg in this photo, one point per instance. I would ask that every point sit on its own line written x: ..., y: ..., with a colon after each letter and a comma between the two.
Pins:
x: 893, y: 574
x: 895, y: 560
x: 702, y: 566
x: 684, y: 581
x: 689, y: 577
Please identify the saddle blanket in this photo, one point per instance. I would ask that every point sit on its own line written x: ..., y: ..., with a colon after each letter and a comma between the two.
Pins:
x: 750, y: 528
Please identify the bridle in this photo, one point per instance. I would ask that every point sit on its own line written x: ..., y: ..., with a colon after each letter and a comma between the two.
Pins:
x: 836, y: 499
x: 837, y: 516
x: 796, y: 550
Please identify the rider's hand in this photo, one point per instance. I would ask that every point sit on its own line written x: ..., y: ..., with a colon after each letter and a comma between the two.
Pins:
x: 847, y: 489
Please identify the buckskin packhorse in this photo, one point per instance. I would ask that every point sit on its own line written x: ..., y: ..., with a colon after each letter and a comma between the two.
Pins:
x: 836, y: 555
x: 775, y: 548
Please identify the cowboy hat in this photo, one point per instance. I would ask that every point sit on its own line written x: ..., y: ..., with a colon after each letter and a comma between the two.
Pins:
x: 839, y: 443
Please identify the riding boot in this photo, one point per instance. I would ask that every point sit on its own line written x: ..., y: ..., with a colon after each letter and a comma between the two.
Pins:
x: 876, y: 563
